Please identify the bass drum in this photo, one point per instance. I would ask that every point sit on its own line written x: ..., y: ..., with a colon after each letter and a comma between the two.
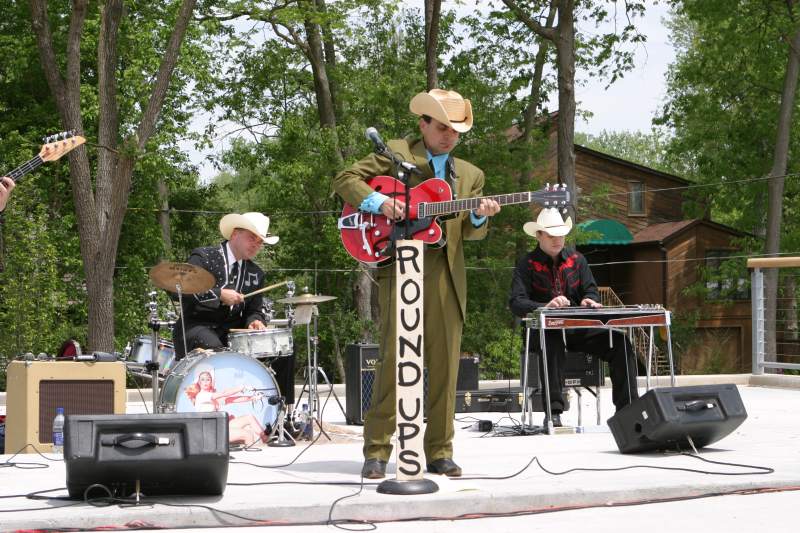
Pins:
x: 206, y: 381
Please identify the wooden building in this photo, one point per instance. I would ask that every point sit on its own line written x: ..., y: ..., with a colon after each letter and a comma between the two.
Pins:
x: 648, y: 253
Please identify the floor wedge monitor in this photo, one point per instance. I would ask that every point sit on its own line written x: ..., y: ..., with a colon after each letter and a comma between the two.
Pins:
x: 158, y: 454
x: 668, y: 418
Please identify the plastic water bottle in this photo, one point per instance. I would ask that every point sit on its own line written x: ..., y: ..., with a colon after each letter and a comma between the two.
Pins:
x: 58, y: 431
x: 308, y: 428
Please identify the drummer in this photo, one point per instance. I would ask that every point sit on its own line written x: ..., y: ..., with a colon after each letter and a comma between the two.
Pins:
x: 209, y: 316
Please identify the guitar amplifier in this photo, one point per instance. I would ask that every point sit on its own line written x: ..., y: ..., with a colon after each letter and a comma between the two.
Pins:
x: 36, y: 388
x: 505, y: 400
x: 359, y: 370
x: 580, y: 370
x: 175, y: 453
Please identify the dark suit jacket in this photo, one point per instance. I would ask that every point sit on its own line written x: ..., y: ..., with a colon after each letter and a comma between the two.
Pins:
x: 207, y: 309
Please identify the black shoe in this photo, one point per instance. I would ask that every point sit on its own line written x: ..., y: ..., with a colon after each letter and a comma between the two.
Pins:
x: 556, y: 421
x: 374, y: 469
x: 445, y: 466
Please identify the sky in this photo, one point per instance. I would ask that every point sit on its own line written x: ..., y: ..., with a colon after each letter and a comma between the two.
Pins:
x: 628, y: 105
x: 632, y: 102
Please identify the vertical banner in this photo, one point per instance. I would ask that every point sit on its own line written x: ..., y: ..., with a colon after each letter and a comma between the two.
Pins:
x: 409, y: 349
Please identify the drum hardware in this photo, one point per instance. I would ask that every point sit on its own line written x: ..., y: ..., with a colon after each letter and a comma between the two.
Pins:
x: 181, y: 278
x: 307, y: 313
x: 155, y: 324
x: 278, y: 436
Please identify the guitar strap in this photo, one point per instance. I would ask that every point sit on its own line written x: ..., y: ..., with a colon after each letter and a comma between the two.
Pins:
x: 451, y: 179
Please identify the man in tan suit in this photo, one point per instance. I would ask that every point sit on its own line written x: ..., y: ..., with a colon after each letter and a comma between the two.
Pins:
x: 444, y: 115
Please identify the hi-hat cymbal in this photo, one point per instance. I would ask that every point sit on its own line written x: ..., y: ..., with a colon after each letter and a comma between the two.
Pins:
x: 191, y: 278
x: 307, y: 299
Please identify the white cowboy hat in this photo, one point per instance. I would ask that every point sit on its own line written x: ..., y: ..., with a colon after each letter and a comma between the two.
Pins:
x: 255, y: 223
x: 550, y: 222
x: 448, y: 107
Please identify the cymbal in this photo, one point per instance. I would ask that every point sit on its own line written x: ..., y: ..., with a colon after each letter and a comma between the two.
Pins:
x: 191, y: 278
x: 307, y: 298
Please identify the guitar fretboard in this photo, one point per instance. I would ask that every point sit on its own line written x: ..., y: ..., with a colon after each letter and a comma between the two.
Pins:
x: 23, y: 169
x: 432, y: 209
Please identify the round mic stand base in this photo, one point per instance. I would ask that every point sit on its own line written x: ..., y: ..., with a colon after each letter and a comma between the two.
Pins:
x: 413, y: 486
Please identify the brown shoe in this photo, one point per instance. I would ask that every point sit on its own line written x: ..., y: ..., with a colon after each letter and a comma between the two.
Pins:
x: 374, y: 469
x: 444, y: 466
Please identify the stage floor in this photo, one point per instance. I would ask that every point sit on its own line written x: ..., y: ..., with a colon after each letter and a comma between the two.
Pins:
x: 314, y: 484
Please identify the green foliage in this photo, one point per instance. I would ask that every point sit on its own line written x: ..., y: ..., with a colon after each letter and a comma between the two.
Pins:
x: 723, y: 96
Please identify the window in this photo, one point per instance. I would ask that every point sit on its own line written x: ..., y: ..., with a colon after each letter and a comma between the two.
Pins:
x: 635, y: 198
x: 724, y: 280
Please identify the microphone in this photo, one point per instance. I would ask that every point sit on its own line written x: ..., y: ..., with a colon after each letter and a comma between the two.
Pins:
x: 373, y: 135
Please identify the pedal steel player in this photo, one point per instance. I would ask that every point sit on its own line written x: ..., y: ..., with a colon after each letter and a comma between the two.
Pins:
x: 552, y: 276
x: 209, y: 317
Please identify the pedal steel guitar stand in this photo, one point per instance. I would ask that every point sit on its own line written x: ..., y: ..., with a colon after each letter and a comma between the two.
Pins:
x: 610, y: 318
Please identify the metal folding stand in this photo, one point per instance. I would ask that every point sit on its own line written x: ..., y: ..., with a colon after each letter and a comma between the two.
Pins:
x: 308, y: 315
x: 156, y: 324
x: 278, y: 435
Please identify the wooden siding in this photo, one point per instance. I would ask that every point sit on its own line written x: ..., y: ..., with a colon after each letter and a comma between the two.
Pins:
x: 663, y: 206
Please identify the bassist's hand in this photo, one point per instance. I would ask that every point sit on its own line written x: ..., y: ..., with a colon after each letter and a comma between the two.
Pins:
x: 393, y: 209
x: 6, y: 186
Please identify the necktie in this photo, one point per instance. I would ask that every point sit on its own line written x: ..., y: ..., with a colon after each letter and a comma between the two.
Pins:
x: 234, y: 278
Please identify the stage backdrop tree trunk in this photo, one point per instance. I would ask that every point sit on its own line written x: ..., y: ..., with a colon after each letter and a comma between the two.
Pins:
x: 780, y: 163
x: 101, y: 201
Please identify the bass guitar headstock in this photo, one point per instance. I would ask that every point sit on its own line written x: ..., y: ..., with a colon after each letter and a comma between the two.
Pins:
x: 59, y: 144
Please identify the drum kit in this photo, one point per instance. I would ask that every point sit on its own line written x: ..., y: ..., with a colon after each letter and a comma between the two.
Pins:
x: 238, y: 379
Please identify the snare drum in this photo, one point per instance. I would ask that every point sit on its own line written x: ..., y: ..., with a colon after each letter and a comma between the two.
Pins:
x: 142, y: 352
x: 206, y: 381
x: 262, y: 343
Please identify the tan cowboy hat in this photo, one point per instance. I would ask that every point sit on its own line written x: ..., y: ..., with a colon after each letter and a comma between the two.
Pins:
x: 550, y: 222
x: 448, y: 107
x: 255, y: 223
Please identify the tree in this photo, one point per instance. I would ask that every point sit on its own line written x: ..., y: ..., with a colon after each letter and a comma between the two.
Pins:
x: 100, y: 203
x: 731, y: 96
x: 566, y: 40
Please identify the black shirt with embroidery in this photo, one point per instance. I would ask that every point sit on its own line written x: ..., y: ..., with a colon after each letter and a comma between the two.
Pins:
x: 537, y: 280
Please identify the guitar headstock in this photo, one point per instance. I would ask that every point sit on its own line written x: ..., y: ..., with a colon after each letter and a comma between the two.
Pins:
x: 59, y: 144
x: 555, y: 195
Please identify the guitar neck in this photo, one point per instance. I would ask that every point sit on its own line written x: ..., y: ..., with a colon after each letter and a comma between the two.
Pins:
x: 23, y: 169
x: 432, y: 209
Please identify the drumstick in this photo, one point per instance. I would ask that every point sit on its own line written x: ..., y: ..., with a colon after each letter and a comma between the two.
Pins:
x: 265, y: 289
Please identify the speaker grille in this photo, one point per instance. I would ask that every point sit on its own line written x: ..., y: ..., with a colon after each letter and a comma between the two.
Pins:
x: 77, y: 397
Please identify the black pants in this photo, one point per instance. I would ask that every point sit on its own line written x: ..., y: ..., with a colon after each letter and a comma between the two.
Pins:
x: 216, y: 338
x: 620, y: 357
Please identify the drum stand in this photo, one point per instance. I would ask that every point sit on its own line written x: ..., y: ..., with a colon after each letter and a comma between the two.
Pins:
x: 312, y: 370
x: 155, y: 324
x: 281, y: 440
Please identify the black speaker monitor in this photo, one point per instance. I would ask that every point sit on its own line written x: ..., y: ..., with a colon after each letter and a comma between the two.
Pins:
x: 665, y: 418
x: 176, y: 454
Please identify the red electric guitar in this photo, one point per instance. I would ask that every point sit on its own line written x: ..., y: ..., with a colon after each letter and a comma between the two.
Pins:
x: 55, y: 146
x: 370, y: 238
